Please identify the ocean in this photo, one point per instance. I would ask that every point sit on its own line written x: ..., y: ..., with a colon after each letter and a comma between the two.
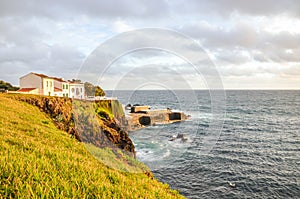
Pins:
x: 255, y: 146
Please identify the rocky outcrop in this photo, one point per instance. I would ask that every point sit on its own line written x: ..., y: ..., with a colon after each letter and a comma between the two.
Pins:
x: 140, y: 119
x: 89, y: 122
x: 97, y: 123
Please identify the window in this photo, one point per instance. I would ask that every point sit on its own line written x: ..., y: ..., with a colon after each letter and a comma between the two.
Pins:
x: 81, y: 90
x: 63, y: 94
x: 63, y: 87
x: 67, y: 86
x: 47, y: 84
x: 50, y: 84
x: 67, y: 95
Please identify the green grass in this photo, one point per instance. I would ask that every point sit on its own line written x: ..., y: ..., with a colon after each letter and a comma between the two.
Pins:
x: 111, y: 108
x: 117, y: 159
x: 39, y: 161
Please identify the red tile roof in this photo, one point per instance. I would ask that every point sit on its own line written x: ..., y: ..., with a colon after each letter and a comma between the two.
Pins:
x: 58, y: 79
x: 57, y: 89
x: 26, y: 89
x: 45, y: 76
x: 41, y: 75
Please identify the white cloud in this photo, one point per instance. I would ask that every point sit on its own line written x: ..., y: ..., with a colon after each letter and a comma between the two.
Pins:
x: 120, y: 26
x: 248, y: 39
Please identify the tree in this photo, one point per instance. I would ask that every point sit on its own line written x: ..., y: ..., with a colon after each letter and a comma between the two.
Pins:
x: 7, y: 86
x: 99, y: 91
x: 91, y: 90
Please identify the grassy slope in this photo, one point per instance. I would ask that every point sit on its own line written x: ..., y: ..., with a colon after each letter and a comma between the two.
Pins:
x: 38, y: 160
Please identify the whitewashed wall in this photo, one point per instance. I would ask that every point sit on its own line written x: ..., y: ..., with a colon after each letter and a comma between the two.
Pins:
x: 77, y: 91
x: 48, y: 87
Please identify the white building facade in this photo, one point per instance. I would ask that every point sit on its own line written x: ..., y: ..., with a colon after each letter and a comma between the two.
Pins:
x: 61, y: 87
x: 42, y: 84
x: 76, y: 90
x: 47, y: 86
x: 34, y: 83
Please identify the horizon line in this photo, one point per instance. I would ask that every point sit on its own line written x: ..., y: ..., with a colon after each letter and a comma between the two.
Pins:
x: 204, y: 89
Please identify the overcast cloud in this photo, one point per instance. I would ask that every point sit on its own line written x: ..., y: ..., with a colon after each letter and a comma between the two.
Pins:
x: 253, y: 44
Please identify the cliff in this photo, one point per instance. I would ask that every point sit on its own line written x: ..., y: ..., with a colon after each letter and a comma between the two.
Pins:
x: 87, y: 121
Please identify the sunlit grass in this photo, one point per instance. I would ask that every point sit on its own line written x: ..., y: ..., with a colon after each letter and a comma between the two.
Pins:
x: 117, y: 159
x: 39, y: 161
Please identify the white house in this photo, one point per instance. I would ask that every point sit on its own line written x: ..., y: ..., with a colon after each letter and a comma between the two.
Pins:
x: 61, y: 87
x: 34, y: 83
x: 40, y: 84
x: 76, y: 90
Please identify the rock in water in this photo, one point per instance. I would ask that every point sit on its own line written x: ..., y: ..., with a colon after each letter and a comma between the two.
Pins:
x: 174, y: 137
x: 181, y: 135
x: 184, y: 139
x: 231, y: 184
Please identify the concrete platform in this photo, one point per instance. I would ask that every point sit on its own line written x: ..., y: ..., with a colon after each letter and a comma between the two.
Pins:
x: 140, y: 117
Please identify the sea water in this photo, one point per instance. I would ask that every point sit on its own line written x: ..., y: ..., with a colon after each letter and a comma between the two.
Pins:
x: 257, y: 147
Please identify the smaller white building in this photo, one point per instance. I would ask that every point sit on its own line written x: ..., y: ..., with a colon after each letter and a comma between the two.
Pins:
x: 61, y: 87
x: 76, y: 90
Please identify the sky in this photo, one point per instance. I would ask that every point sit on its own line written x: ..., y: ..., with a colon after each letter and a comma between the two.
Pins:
x: 242, y: 44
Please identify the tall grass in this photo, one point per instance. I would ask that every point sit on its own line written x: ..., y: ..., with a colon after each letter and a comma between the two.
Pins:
x: 39, y: 161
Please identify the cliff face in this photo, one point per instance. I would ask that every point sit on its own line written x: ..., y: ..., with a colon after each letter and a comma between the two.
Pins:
x: 99, y: 123
x: 89, y: 122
